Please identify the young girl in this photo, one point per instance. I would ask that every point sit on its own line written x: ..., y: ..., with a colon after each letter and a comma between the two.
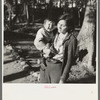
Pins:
x: 65, y: 44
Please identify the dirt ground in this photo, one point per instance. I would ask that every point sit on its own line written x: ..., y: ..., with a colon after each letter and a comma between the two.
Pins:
x: 21, y: 59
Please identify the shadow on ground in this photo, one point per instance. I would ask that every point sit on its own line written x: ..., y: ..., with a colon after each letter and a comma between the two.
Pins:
x: 24, y: 73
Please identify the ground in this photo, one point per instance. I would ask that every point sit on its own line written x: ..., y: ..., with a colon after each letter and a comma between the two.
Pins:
x: 22, y: 60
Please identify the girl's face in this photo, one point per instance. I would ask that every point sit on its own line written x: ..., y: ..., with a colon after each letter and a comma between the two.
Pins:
x: 62, y: 27
x: 48, y: 25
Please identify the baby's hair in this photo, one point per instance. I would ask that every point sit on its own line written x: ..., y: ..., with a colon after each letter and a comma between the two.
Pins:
x: 69, y: 20
x: 48, y: 19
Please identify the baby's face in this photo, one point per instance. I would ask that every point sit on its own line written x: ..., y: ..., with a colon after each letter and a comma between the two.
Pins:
x: 48, y: 25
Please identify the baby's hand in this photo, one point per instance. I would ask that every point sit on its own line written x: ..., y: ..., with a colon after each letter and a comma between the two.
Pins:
x: 46, y: 52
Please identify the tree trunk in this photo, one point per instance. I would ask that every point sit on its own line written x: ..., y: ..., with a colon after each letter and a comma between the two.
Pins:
x: 27, y: 13
x: 87, y: 33
x: 9, y: 15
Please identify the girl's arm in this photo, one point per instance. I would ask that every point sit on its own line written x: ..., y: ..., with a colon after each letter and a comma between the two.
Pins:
x: 69, y: 54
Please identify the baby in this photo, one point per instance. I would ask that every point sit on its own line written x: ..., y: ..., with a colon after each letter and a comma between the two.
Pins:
x: 44, y: 37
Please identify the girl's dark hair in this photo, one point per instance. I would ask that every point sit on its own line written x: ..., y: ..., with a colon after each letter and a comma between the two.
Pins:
x: 69, y: 21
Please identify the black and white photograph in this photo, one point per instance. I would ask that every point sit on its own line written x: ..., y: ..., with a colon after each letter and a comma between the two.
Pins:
x: 50, y: 41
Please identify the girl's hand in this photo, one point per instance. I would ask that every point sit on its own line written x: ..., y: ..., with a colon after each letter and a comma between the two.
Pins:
x: 61, y: 82
x: 47, y: 46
